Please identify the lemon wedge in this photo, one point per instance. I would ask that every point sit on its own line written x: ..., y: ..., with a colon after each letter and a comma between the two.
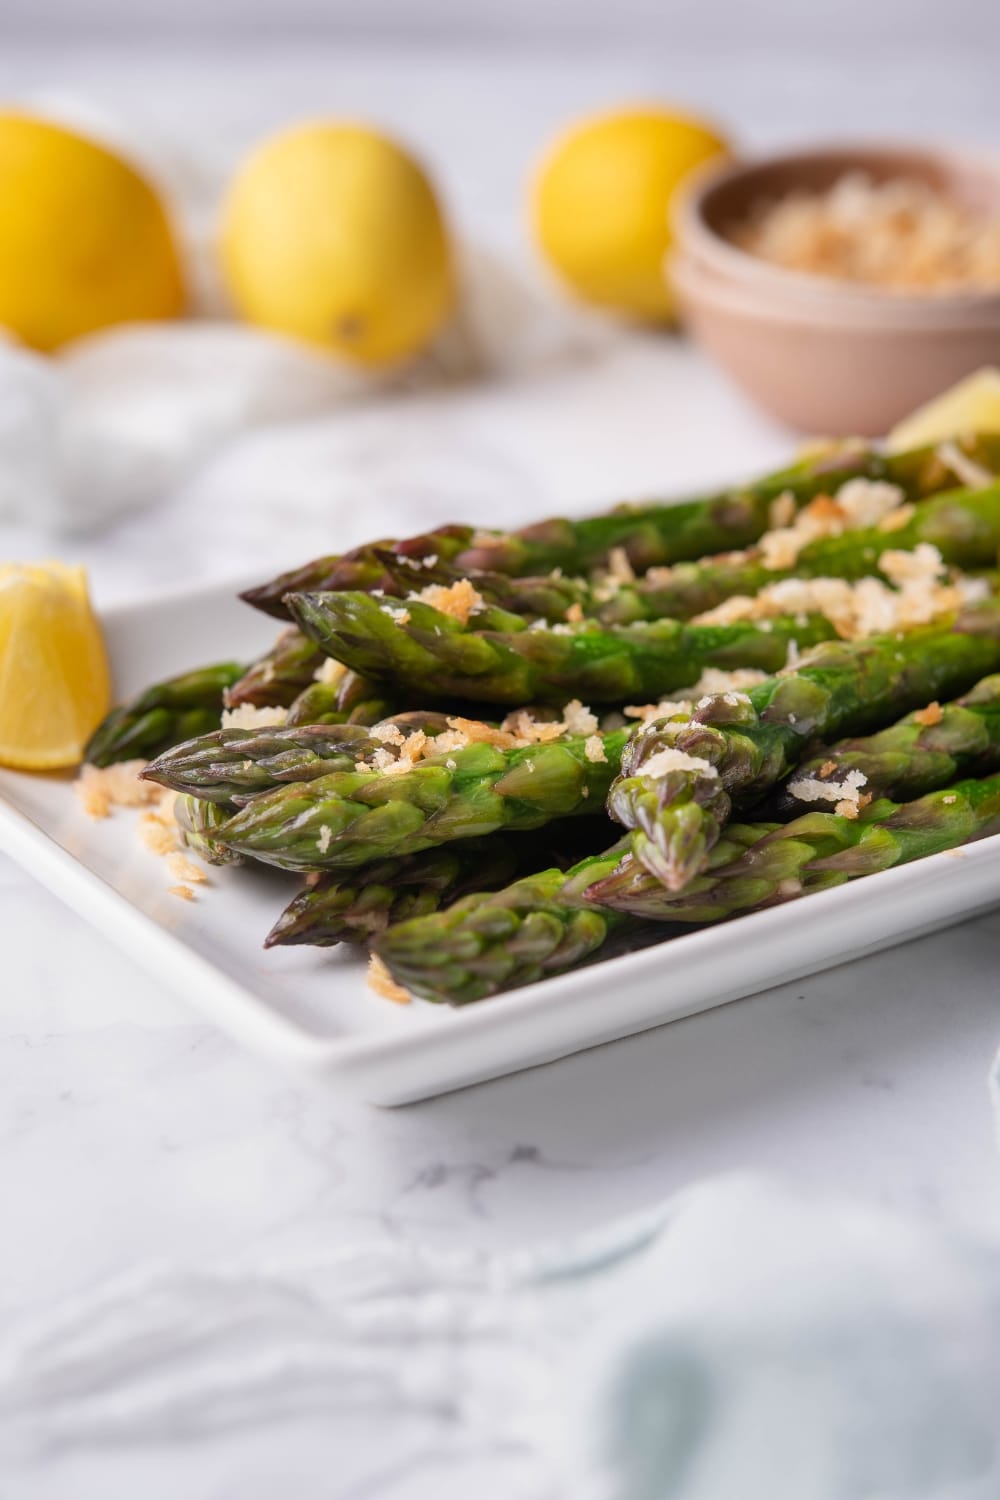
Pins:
x: 973, y: 405
x: 54, y: 682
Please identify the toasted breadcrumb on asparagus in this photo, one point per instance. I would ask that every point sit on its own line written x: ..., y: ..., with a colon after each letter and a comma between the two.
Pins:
x: 782, y: 511
x: 248, y: 716
x: 460, y: 600
x: 620, y: 569
x: 382, y: 982
x: 896, y: 519
x: 930, y: 715
x: 575, y: 613
x: 828, y: 767
x: 593, y: 748
x: 662, y: 762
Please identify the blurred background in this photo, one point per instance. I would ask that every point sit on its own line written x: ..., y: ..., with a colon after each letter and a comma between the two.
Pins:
x: 567, y: 409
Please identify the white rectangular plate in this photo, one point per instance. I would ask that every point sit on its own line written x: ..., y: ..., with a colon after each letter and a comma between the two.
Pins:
x: 312, y: 1008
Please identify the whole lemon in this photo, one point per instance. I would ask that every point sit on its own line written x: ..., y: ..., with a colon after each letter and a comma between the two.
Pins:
x: 601, y: 205
x: 84, y: 240
x: 332, y: 232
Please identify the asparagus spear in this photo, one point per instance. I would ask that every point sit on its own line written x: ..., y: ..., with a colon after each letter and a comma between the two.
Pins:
x: 234, y: 764
x: 197, y: 821
x: 356, y: 906
x: 348, y: 818
x: 923, y: 751
x: 539, y: 926
x: 964, y: 525
x: 353, y: 700
x: 650, y: 534
x: 759, y: 865
x: 162, y: 715
x: 506, y: 662
x: 548, y: 923
x: 280, y: 675
x: 679, y: 774
x: 361, y: 568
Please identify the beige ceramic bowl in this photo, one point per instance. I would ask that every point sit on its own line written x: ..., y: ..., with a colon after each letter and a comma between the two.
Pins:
x: 824, y: 355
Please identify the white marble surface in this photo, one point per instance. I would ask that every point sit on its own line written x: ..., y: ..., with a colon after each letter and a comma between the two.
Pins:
x: 135, y: 1136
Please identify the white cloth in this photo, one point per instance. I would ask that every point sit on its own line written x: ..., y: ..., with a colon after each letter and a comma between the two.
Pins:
x: 740, y: 1342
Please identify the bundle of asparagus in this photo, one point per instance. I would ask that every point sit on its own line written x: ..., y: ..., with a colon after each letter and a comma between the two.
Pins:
x: 367, y: 752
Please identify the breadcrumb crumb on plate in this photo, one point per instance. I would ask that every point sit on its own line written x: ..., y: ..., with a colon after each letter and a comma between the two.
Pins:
x: 184, y: 869
x: 382, y: 982
x: 182, y: 892
x: 102, y: 788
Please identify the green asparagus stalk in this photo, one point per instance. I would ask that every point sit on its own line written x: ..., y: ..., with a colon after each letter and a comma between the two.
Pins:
x: 925, y: 750
x: 540, y: 926
x: 506, y: 662
x: 654, y: 535
x: 348, y: 818
x: 650, y: 534
x: 164, y: 714
x: 361, y: 568
x: 964, y: 525
x: 354, y: 906
x: 548, y: 923
x: 278, y: 677
x: 353, y: 700
x: 755, y: 866
x: 234, y: 764
x: 197, y: 821
x: 679, y: 774
x: 357, y: 905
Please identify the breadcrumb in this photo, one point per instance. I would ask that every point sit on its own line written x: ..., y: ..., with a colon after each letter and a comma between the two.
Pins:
x: 248, y: 716
x: 896, y: 519
x: 182, y: 892
x: 578, y: 719
x: 102, y: 788
x: 930, y: 715
x: 183, y: 868
x: 382, y: 982
x: 460, y: 599
x: 575, y: 613
x: 478, y: 733
x: 157, y: 836
x: 846, y: 795
x: 620, y: 569
x: 782, y: 510
x: 593, y: 748
x: 662, y: 762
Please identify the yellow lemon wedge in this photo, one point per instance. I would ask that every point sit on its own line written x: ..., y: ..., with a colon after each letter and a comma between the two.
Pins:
x: 973, y: 405
x: 55, y: 686
x: 601, y: 205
